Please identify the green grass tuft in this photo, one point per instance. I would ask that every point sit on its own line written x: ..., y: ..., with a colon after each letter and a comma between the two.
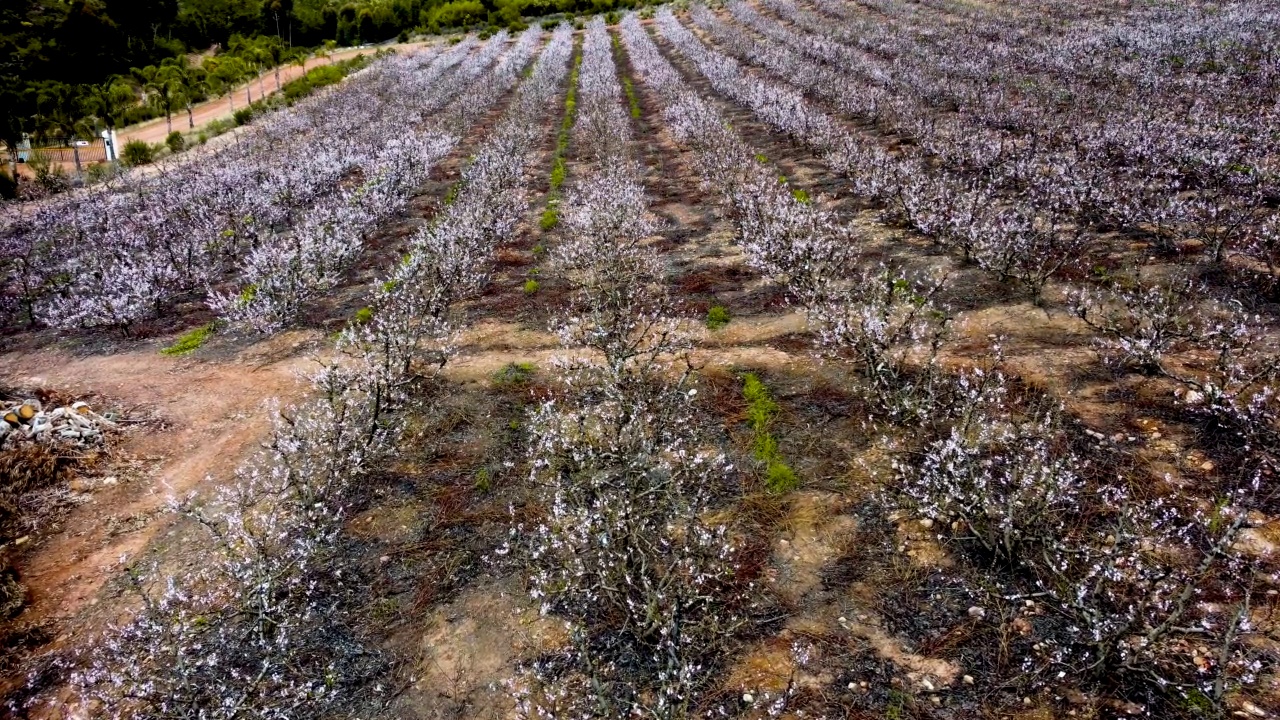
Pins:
x: 717, y: 317
x: 452, y: 195
x: 514, y: 374
x: 531, y: 286
x: 189, y: 341
x: 550, y: 218
x: 559, y: 171
x: 779, y: 478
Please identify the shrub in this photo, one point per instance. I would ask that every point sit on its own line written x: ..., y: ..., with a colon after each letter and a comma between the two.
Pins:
x: 363, y: 315
x: 175, y: 142
x: 452, y: 195
x: 49, y: 175
x: 136, y: 152
x: 531, y: 286
x: 243, y: 116
x: 329, y: 74
x: 298, y: 89
x: 717, y: 317
x: 878, y: 322
x: 99, y: 172
x: 626, y: 555
x: 220, y: 126
x: 39, y: 162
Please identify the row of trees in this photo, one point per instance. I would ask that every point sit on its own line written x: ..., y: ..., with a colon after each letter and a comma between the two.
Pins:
x: 114, y: 63
x: 1104, y: 572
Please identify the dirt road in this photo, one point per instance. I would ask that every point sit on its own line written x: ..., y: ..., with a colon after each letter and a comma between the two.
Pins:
x: 155, y: 131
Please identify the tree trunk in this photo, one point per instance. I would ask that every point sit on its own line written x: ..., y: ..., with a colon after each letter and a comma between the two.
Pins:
x: 191, y: 119
x: 262, y: 88
x: 75, y: 150
x: 232, y: 97
x: 168, y: 118
x: 277, y: 78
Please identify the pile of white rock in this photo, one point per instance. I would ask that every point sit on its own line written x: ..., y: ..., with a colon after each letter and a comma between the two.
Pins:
x: 76, y: 423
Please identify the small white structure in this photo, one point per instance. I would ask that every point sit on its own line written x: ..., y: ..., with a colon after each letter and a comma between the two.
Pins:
x: 109, y: 141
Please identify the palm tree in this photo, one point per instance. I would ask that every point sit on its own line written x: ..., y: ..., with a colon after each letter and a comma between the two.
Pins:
x: 225, y: 71
x: 109, y: 101
x: 195, y: 84
x: 248, y: 53
x: 273, y: 51
x: 298, y: 58
x: 163, y: 86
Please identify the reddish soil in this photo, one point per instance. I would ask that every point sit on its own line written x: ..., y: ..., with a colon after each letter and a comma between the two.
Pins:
x: 201, y: 417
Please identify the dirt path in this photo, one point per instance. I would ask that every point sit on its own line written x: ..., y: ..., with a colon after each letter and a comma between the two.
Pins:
x: 210, y: 411
x: 209, y: 414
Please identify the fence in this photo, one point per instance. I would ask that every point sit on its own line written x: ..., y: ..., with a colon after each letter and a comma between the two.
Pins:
x: 95, y: 151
